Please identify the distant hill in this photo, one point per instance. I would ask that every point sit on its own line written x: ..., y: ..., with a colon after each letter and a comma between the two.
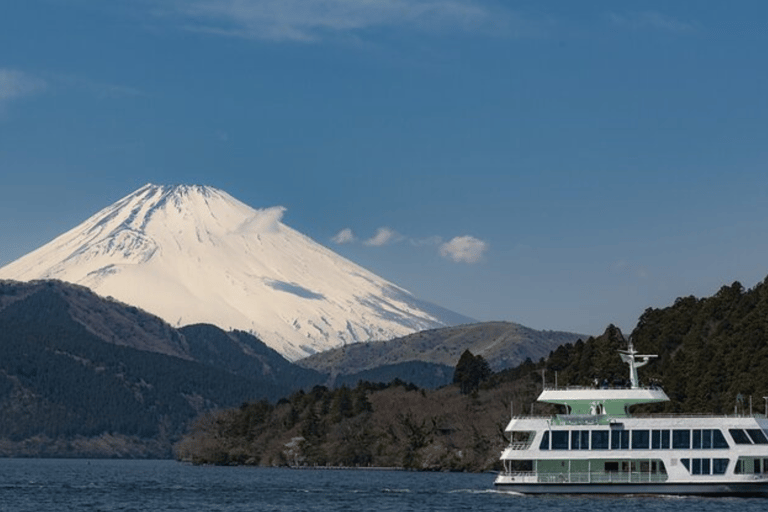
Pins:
x: 502, y: 345
x: 419, y: 373
x: 80, y: 375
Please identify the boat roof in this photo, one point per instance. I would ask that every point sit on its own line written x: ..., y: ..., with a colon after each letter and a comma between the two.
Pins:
x: 608, y: 401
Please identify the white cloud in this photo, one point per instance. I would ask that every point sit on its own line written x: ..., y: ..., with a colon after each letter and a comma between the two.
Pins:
x: 313, y: 20
x: 266, y: 220
x: 345, y: 236
x: 383, y: 236
x: 464, y: 249
x: 652, y: 20
x: 16, y: 84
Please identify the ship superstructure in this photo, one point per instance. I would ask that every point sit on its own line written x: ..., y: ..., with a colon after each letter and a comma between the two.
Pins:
x: 598, y: 447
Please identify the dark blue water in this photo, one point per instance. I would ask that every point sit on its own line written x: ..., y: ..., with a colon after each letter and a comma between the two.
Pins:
x: 115, y: 485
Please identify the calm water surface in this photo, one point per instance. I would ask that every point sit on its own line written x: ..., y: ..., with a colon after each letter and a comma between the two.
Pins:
x: 119, y: 485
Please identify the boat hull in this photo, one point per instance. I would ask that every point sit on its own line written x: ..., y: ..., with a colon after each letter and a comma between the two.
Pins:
x: 692, y: 489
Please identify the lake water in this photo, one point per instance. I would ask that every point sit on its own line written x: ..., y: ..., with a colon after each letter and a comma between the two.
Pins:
x: 37, y: 485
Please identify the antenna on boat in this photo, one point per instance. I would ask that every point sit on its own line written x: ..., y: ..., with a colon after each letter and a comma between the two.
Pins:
x: 630, y: 357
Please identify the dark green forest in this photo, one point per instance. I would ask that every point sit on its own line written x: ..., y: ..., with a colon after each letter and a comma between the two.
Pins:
x: 60, y: 382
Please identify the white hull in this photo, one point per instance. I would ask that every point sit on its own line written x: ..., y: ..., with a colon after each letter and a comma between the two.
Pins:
x: 693, y: 489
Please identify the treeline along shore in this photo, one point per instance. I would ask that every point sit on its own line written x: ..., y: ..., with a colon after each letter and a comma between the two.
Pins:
x: 713, y: 356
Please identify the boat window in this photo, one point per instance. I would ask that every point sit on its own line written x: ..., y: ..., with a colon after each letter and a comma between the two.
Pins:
x: 521, y: 436
x: 599, y: 439
x: 660, y: 439
x: 580, y: 440
x: 704, y: 439
x: 681, y: 439
x: 705, y: 463
x: 695, y: 466
x: 619, y: 439
x: 640, y: 439
x: 719, y: 466
x: 718, y: 440
x: 686, y: 463
x: 757, y: 435
x: 739, y: 436
x: 611, y: 467
x: 743, y: 465
x: 559, y: 439
x: 544, y: 441
x: 518, y: 466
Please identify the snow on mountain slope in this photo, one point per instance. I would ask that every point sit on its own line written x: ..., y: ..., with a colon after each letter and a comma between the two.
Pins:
x: 194, y: 254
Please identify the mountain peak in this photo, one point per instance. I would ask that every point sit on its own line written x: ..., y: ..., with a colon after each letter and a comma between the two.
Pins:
x: 194, y: 254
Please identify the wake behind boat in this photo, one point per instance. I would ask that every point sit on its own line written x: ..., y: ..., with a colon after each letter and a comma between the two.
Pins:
x: 597, y: 447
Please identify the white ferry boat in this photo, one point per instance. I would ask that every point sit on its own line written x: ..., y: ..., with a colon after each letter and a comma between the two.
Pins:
x: 597, y: 447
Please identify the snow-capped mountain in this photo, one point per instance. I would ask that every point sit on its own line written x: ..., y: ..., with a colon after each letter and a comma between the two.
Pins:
x: 194, y: 254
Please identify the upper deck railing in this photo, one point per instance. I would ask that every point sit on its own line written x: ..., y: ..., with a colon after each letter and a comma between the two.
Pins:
x: 670, y: 415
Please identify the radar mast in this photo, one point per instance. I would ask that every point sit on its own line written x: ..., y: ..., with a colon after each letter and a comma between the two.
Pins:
x: 630, y: 356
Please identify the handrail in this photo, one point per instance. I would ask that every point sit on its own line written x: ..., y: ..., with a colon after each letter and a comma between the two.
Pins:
x: 599, y: 388
x: 641, y: 415
x: 590, y: 477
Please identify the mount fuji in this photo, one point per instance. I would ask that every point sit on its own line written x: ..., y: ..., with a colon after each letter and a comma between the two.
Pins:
x: 195, y: 254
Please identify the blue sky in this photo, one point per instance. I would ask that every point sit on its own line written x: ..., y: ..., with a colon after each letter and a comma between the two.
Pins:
x: 564, y: 165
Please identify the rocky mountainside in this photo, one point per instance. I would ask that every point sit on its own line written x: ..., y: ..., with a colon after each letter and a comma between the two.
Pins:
x: 195, y: 254
x: 502, y: 345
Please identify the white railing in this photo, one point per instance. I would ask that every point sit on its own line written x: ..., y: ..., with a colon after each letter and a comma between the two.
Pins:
x: 601, y: 478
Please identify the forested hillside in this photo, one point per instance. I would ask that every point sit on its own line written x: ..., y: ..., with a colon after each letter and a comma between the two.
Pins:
x: 711, y: 351
x: 69, y: 388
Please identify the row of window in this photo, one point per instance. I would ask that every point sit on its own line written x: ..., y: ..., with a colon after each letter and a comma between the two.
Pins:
x: 705, y: 466
x: 748, y: 436
x: 619, y: 439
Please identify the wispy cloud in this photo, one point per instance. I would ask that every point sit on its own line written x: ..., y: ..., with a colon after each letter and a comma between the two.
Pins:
x: 383, y: 236
x: 314, y: 20
x: 460, y: 249
x: 653, y: 20
x: 266, y: 220
x: 95, y: 88
x: 345, y: 236
x: 464, y: 249
x: 16, y: 84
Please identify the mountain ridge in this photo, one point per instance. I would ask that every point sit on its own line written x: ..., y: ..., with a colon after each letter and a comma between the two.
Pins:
x: 81, y: 375
x: 194, y: 254
x: 502, y: 344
